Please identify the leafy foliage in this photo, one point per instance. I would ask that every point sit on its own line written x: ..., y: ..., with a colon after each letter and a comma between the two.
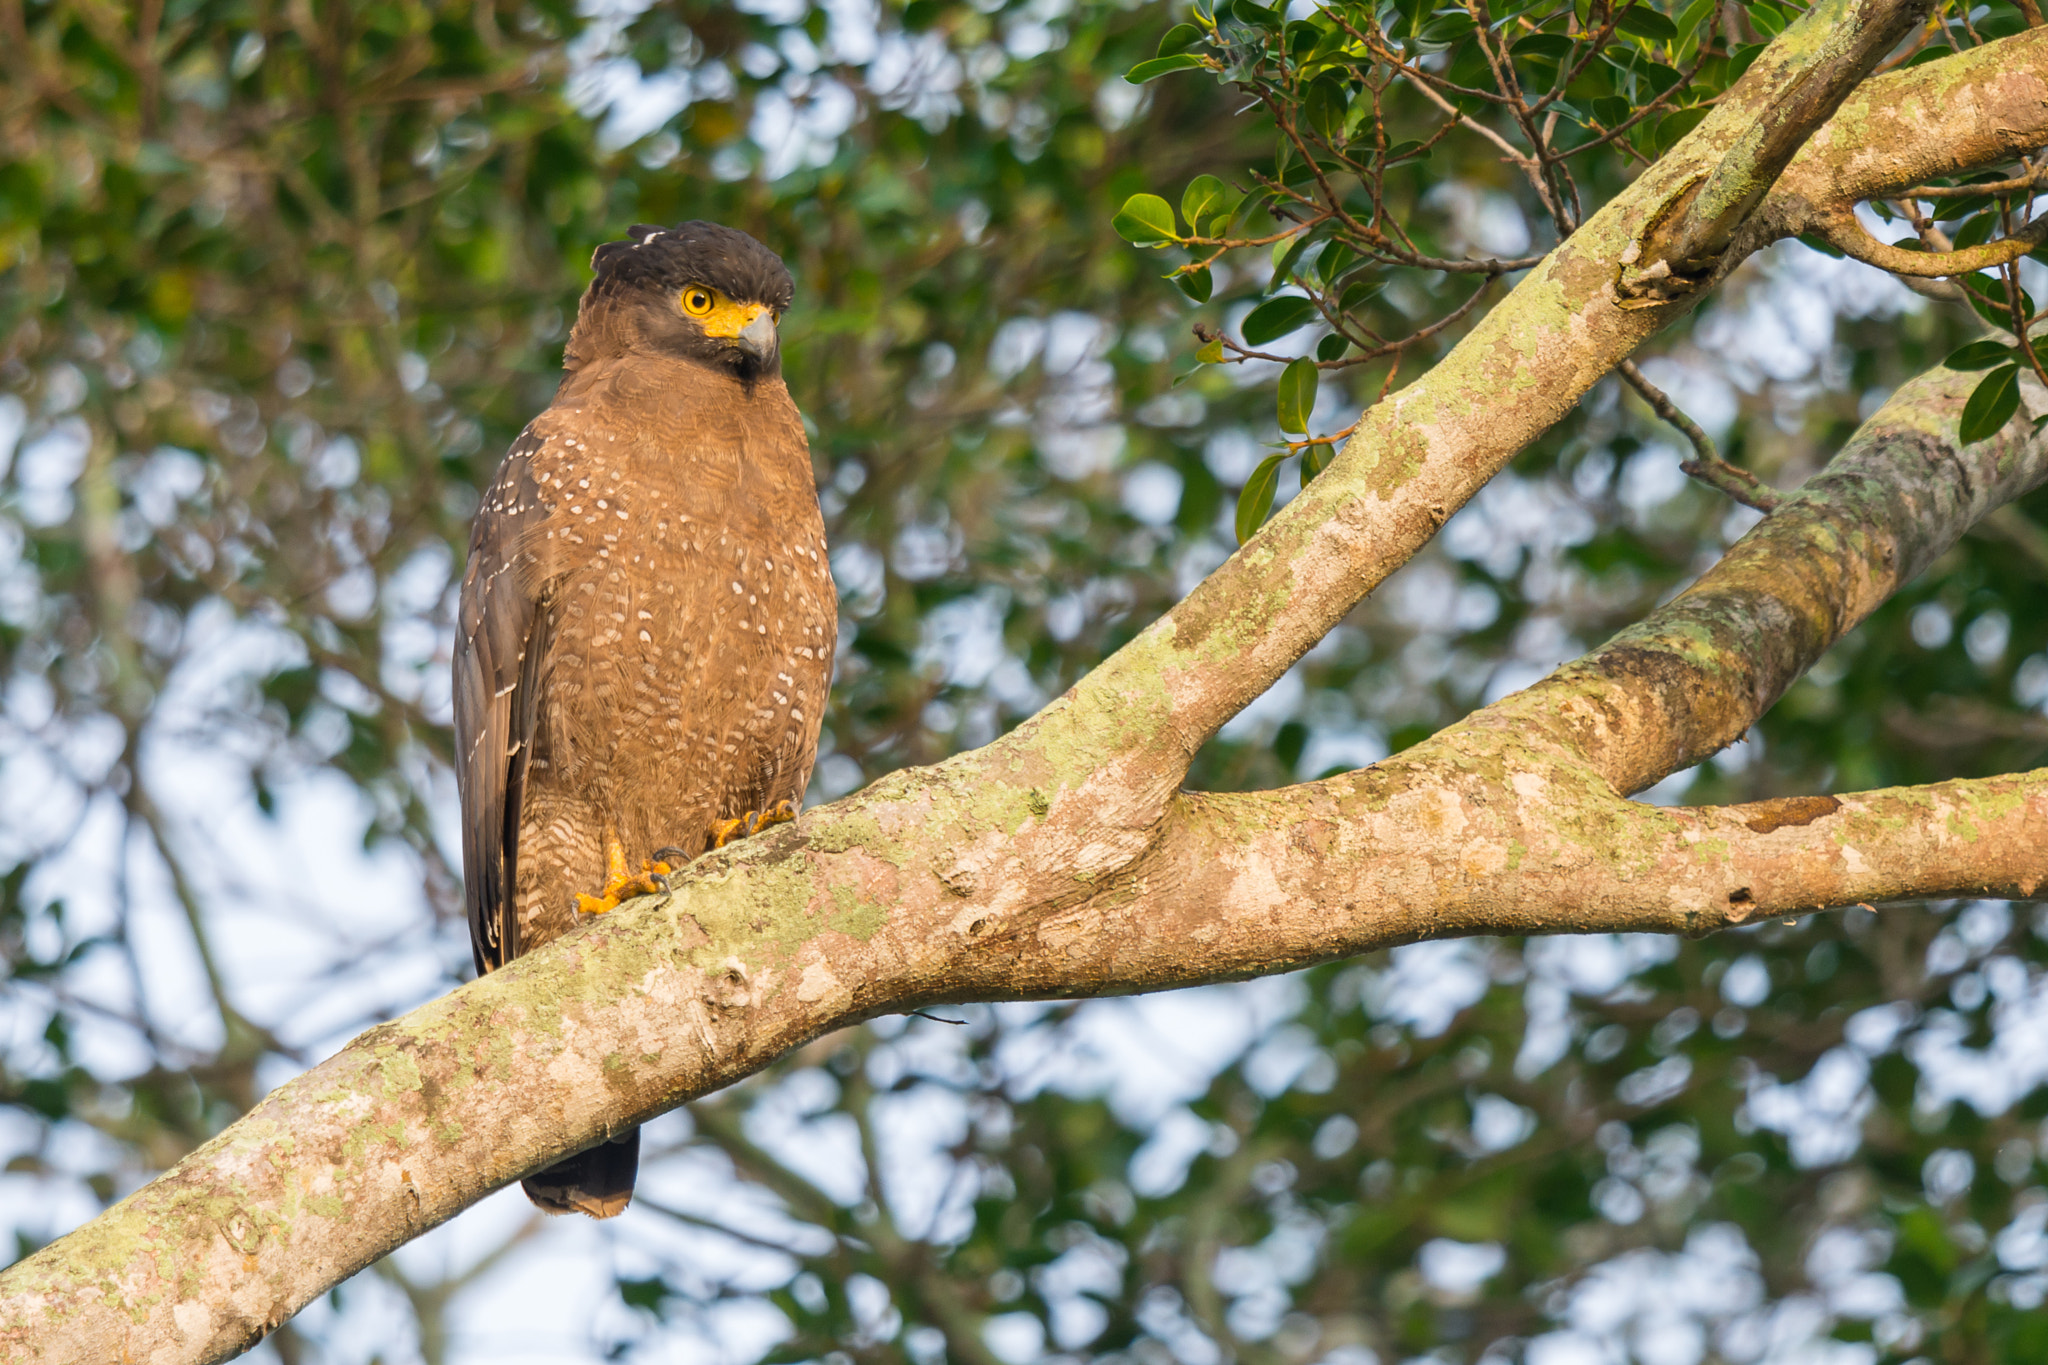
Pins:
x: 1365, y: 99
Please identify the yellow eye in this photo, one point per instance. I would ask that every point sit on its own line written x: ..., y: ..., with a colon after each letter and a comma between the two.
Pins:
x: 697, y: 300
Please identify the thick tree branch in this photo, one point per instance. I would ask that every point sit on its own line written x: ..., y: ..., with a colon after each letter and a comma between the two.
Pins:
x: 1427, y: 848
x: 1983, y: 107
x: 1692, y: 677
x: 1062, y: 860
x: 1823, y: 59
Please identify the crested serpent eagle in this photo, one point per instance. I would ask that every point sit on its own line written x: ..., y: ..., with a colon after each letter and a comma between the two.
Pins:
x: 647, y: 617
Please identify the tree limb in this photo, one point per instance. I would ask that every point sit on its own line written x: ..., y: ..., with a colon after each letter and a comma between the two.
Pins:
x: 1821, y: 59
x: 1983, y: 107
x: 1063, y: 860
x: 1843, y: 232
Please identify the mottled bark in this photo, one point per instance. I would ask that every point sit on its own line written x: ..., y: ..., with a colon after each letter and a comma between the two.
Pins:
x: 1063, y: 860
x: 1831, y: 60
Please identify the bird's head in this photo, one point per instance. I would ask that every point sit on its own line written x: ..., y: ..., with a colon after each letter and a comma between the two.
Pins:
x: 696, y: 291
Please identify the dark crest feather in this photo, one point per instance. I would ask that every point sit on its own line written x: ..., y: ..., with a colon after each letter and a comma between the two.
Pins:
x: 666, y: 259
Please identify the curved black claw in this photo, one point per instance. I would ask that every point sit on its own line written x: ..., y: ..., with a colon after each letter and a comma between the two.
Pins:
x: 673, y: 856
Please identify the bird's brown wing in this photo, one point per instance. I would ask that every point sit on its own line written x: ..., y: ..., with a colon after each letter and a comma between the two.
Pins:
x: 501, y: 646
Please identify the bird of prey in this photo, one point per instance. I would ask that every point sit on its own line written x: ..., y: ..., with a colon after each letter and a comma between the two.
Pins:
x: 647, y: 617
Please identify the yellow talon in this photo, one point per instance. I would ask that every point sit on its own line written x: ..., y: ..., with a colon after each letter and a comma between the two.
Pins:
x: 618, y: 885
x: 724, y: 832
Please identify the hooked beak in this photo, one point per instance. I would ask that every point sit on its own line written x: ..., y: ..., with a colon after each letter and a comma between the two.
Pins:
x: 758, y: 338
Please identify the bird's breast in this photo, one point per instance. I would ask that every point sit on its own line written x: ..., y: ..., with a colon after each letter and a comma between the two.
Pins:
x: 697, y: 614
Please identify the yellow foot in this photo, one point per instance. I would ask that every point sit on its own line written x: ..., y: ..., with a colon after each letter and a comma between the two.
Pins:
x: 621, y: 886
x: 724, y: 832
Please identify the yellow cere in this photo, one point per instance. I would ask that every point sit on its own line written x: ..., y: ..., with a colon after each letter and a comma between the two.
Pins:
x: 717, y: 314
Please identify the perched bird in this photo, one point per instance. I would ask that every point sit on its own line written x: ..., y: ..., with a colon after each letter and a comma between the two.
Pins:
x: 647, y: 617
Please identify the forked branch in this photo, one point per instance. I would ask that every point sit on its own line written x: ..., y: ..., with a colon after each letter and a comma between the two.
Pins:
x: 1809, y: 73
x: 1063, y: 860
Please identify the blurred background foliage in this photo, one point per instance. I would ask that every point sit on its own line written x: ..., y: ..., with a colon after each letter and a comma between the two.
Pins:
x: 279, y: 282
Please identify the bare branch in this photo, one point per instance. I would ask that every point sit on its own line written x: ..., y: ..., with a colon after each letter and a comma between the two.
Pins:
x: 1706, y: 465
x: 2033, y: 179
x: 1844, y: 232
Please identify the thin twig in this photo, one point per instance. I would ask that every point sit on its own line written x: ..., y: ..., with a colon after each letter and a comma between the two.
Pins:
x: 2035, y: 176
x: 1706, y: 465
x: 2016, y: 310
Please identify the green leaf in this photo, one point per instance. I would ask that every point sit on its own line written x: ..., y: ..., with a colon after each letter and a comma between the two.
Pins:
x: 1257, y: 499
x: 1332, y: 347
x: 1996, y: 399
x: 1359, y: 292
x: 1980, y: 355
x: 1976, y: 232
x: 1257, y: 16
x: 1327, y: 53
x: 1205, y: 197
x: 1276, y: 318
x: 1657, y: 77
x: 1153, y: 67
x: 1640, y: 21
x: 1445, y: 30
x: 1180, y: 38
x: 1954, y: 210
x: 1287, y: 255
x: 1145, y: 220
x: 1612, y: 110
x: 1298, y: 395
x: 1324, y: 109
x: 1314, y: 460
x: 1695, y: 14
x: 1196, y: 284
x: 1767, y: 20
x: 1210, y: 354
x: 647, y: 1294
x: 1358, y: 120
x: 1692, y: 26
x: 1672, y: 127
x: 1549, y: 48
